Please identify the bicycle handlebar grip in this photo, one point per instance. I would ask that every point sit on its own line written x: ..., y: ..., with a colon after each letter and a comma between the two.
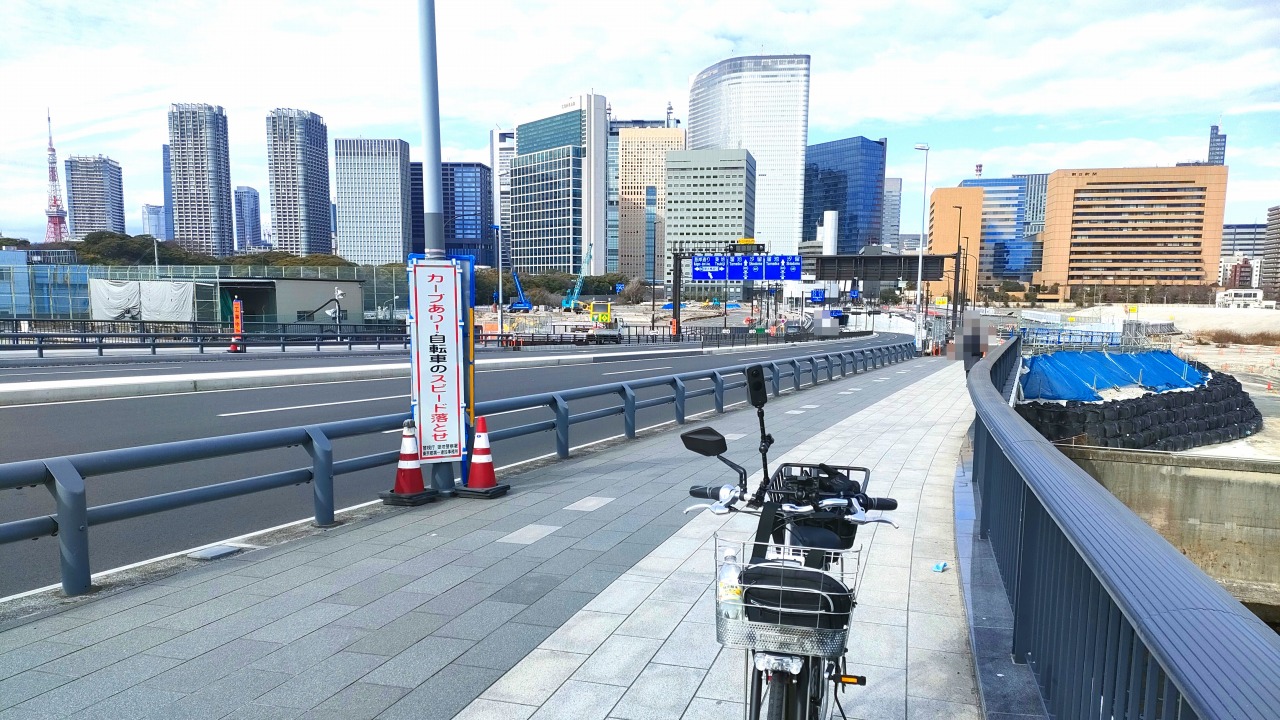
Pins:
x: 880, y: 503
x: 705, y: 492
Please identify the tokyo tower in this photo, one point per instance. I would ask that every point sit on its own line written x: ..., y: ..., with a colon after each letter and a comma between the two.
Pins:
x: 56, y: 230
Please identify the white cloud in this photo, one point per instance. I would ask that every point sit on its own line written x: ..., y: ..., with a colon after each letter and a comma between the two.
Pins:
x: 110, y: 69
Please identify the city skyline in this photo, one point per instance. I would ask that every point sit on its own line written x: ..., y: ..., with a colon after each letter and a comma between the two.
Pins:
x: 1164, y: 86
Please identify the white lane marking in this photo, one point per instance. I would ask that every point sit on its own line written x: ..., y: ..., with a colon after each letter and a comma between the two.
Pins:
x: 881, y: 379
x: 86, y: 372
x: 313, y: 405
x: 202, y: 392
x: 589, y: 503
x: 624, y: 372
x: 734, y: 436
x: 795, y: 412
x: 810, y: 407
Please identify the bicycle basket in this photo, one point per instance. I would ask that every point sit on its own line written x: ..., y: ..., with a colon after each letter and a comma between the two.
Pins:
x: 785, y: 606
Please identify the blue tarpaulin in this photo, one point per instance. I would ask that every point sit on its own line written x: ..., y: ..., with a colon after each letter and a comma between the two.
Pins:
x: 1080, y: 375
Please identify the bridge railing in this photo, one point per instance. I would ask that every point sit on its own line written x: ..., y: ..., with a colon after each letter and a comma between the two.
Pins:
x: 1113, y: 620
x: 64, y: 477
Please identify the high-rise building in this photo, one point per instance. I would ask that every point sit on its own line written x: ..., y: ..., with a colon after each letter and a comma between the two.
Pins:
x: 891, y: 222
x: 374, y: 217
x: 846, y: 176
x: 248, y: 218
x: 956, y: 221
x: 201, y: 178
x: 760, y: 104
x: 153, y: 221
x: 1005, y: 253
x: 908, y: 243
x: 168, y: 194
x: 502, y: 147
x: 1247, y: 239
x: 612, y: 221
x: 711, y: 198
x: 641, y: 165
x: 1271, y: 252
x: 1037, y: 189
x: 467, y: 192
x: 95, y: 195
x: 558, y: 190
x: 417, y: 210
x: 1133, y: 227
x: 1217, y: 146
x: 298, y: 167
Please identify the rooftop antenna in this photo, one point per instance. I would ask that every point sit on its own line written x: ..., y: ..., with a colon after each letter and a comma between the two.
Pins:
x: 669, y: 112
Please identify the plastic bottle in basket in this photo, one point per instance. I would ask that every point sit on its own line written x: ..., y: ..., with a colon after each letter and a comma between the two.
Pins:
x: 728, y: 588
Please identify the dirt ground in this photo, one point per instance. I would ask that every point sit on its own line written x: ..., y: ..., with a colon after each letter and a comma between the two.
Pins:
x: 1258, y: 370
x: 1199, y: 319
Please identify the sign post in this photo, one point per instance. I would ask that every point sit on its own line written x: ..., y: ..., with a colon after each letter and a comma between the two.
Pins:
x: 437, y: 362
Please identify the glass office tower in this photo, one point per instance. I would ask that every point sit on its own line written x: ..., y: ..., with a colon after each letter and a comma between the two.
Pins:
x: 846, y: 176
x: 1006, y: 252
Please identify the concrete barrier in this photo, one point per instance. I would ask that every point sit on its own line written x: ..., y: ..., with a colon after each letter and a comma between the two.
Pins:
x: 1219, y: 512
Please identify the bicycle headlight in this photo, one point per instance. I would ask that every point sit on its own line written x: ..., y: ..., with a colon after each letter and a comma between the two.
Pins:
x: 779, y: 663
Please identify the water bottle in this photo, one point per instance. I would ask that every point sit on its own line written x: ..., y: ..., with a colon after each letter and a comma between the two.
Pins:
x: 728, y: 586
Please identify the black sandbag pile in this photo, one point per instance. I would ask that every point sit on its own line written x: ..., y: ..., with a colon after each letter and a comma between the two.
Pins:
x: 1216, y: 412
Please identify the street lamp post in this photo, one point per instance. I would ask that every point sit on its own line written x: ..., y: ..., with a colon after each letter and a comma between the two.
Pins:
x: 498, y: 235
x: 955, y: 315
x: 924, y: 209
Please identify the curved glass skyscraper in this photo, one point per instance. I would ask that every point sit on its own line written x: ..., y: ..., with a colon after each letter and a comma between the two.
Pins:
x: 760, y: 104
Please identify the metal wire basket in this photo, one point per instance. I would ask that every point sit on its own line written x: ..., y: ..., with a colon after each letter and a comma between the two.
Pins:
x: 780, y: 604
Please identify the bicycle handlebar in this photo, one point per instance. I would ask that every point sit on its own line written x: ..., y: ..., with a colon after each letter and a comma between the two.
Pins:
x: 705, y: 492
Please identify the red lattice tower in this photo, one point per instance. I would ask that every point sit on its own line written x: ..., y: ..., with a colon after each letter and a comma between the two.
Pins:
x: 56, y: 230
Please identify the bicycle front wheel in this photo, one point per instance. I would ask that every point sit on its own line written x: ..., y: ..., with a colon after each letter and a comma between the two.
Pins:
x: 776, y: 696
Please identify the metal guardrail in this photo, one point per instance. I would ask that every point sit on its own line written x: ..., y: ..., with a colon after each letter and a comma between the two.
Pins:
x: 1112, y: 619
x: 64, y: 477
x: 218, y: 342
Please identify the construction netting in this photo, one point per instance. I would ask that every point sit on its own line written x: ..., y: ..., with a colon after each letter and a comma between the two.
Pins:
x: 1094, y: 376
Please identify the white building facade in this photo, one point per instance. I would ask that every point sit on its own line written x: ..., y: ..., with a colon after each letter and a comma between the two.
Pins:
x: 95, y: 195
x: 200, y: 172
x: 710, y: 203
x: 298, y: 167
x: 891, y: 221
x: 502, y: 147
x: 760, y: 104
x: 374, y: 209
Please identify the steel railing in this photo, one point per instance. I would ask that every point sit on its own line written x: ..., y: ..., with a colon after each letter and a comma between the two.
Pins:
x: 1113, y: 620
x: 64, y: 477
x: 198, y: 341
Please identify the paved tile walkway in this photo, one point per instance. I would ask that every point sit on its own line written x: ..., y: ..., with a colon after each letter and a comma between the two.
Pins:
x: 582, y: 594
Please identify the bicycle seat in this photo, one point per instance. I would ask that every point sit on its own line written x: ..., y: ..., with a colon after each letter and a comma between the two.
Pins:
x: 816, y: 537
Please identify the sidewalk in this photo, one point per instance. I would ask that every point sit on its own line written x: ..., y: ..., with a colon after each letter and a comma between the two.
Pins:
x: 582, y: 594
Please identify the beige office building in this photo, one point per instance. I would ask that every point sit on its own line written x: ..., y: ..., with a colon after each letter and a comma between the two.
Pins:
x: 1133, y: 227
x: 955, y: 220
x: 642, y: 163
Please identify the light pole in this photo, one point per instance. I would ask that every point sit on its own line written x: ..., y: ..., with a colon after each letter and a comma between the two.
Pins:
x: 924, y: 209
x: 390, y: 311
x: 155, y: 247
x: 955, y: 315
x: 498, y: 235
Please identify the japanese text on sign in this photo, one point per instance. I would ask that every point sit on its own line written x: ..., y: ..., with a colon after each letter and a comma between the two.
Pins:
x: 437, y: 360
x: 745, y: 267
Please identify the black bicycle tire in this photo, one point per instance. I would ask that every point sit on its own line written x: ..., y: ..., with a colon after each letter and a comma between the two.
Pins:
x: 777, y: 693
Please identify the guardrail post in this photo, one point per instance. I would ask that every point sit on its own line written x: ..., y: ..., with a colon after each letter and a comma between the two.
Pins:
x: 776, y: 379
x: 844, y: 364
x: 629, y: 411
x: 73, y: 526
x: 40, y: 346
x: 99, y: 346
x: 320, y: 449
x: 200, y: 343
x: 795, y: 375
x: 718, y: 379
x: 830, y: 367
x: 561, y: 409
x: 678, y: 384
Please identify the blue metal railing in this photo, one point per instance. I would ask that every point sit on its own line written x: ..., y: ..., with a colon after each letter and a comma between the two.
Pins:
x: 64, y: 477
x: 1113, y: 620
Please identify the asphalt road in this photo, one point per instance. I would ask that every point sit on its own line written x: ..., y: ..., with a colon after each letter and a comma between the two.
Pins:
x: 62, y: 428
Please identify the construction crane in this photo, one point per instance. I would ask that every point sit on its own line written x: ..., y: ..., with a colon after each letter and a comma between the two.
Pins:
x: 521, y: 303
x: 570, y: 302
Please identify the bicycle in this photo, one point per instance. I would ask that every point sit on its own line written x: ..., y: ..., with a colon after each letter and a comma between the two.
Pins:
x: 786, y: 596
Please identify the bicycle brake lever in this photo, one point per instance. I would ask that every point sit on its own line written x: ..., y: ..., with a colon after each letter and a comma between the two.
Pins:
x: 715, y: 508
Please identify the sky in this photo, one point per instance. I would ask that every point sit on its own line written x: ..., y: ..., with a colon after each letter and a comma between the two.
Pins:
x: 1018, y: 86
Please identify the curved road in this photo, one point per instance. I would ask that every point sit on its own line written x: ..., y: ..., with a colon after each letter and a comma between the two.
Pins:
x: 37, y: 431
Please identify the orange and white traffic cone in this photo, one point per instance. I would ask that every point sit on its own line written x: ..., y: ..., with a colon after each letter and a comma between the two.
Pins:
x: 409, y: 489
x: 237, y: 345
x: 481, y: 481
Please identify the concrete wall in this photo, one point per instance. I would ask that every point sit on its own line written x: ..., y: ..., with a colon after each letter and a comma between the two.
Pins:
x: 307, y: 295
x: 1220, y: 512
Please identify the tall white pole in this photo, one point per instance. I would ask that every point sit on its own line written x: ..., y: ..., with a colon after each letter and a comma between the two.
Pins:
x: 432, y: 197
x: 924, y: 210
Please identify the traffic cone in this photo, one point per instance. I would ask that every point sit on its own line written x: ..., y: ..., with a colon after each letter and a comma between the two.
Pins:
x: 408, y: 490
x: 237, y: 345
x: 481, y: 482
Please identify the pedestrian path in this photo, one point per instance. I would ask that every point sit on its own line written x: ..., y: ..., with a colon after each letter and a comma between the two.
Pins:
x: 581, y: 594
